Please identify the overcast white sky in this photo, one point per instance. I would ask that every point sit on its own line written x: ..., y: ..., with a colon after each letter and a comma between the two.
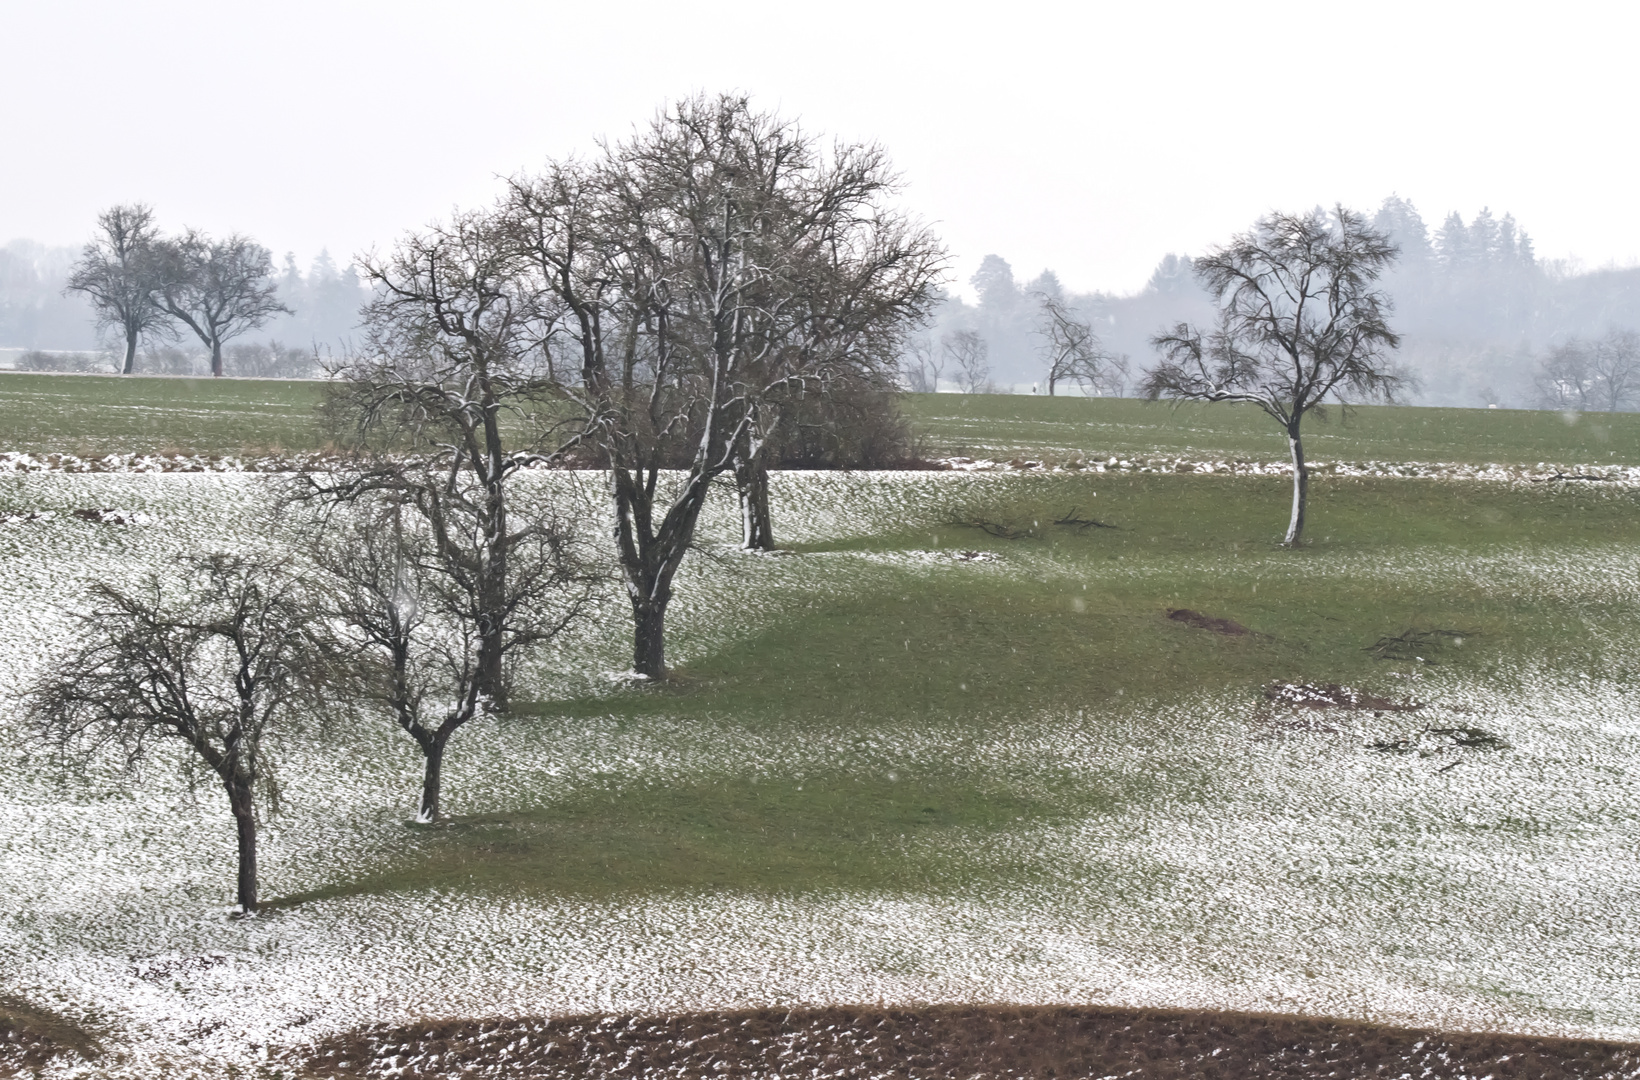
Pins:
x: 1091, y: 138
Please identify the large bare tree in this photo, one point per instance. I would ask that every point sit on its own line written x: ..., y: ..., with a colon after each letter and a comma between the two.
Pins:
x: 1300, y: 320
x: 702, y: 274
x: 219, y: 289
x: 119, y: 272
x: 223, y: 664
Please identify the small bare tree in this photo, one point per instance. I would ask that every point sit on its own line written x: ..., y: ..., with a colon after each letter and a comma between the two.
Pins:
x: 400, y: 567
x: 223, y: 665
x: 971, y: 355
x: 1594, y: 376
x: 922, y: 365
x: 119, y: 272
x: 1073, y: 351
x: 446, y: 377
x: 1300, y: 319
x: 219, y: 289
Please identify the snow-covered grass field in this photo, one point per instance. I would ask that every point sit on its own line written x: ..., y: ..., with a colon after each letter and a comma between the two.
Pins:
x: 889, y: 773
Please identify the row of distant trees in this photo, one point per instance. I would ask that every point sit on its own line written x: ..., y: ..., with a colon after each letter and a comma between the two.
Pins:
x: 141, y: 282
x: 1481, y: 315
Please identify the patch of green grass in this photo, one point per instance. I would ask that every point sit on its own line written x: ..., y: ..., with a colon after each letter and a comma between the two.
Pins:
x: 35, y: 1035
x: 1072, y: 622
x: 1005, y: 425
x: 828, y: 831
x: 93, y: 415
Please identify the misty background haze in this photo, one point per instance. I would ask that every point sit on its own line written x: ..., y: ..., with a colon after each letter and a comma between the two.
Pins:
x: 1100, y: 144
x: 1481, y: 315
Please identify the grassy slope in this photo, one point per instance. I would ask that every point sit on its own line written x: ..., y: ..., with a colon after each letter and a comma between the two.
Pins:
x: 1071, y: 620
x: 1076, y: 621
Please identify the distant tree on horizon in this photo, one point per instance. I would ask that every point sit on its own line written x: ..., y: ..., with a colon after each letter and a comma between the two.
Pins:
x: 119, y: 272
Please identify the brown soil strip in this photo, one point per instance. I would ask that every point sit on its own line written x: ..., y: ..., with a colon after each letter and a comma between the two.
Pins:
x: 970, y: 1042
x: 1207, y: 622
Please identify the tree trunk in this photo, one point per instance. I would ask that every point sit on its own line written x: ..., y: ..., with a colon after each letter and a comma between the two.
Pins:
x: 216, y: 358
x: 1301, y: 487
x: 130, y: 352
x: 649, y: 638
x: 240, y: 797
x: 432, y: 778
x: 752, y: 483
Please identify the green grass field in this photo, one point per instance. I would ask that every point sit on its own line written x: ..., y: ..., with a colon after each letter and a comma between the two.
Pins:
x: 987, y: 425
x: 1062, y: 792
x: 92, y: 415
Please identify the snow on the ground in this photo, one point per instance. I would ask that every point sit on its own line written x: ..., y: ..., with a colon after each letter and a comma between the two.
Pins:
x: 1245, y: 863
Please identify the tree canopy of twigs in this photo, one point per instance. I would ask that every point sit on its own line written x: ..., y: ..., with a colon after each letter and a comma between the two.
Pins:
x: 418, y: 611
x: 219, y: 289
x: 224, y: 665
x: 1300, y: 320
x: 1073, y: 351
x: 1599, y: 375
x: 705, y: 274
x: 119, y: 272
x: 449, y: 396
x: 969, y: 353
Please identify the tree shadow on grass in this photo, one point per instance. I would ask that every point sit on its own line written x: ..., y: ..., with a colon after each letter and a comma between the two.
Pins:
x: 767, y: 835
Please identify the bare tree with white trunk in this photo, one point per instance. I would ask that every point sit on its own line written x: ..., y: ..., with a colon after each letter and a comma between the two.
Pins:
x: 225, y: 664
x: 1301, y: 320
x: 120, y: 273
x: 451, y: 396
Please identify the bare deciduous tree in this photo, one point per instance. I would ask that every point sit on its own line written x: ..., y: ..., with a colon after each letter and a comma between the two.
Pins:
x: 704, y: 273
x: 1592, y: 376
x: 401, y: 576
x: 448, y: 377
x: 971, y: 355
x: 119, y: 272
x: 1073, y: 351
x: 922, y: 365
x: 219, y: 289
x: 1300, y: 319
x: 225, y: 665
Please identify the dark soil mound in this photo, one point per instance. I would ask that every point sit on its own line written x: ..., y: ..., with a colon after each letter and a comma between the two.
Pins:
x: 1207, y: 622
x: 949, y: 1042
x: 30, y: 1037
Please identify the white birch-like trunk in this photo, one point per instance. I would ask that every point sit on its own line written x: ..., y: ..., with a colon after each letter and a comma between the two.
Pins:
x: 1301, y: 489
